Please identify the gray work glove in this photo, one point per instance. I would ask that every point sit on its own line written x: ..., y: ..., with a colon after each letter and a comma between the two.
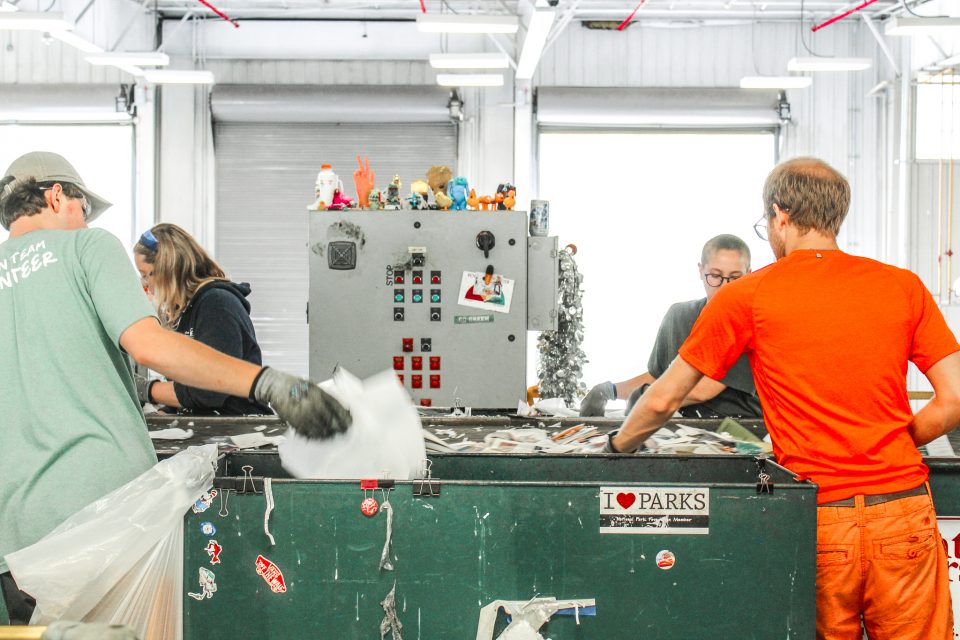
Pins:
x: 596, y: 400
x: 313, y: 412
x: 143, y: 388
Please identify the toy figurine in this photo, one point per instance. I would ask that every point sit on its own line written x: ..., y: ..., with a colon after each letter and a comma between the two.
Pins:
x: 340, y: 201
x: 422, y: 190
x: 473, y: 201
x: 376, y: 200
x: 438, y: 176
x: 364, y: 179
x: 393, y: 195
x: 503, y: 191
x: 443, y: 201
x: 486, y: 203
x: 510, y: 200
x: 327, y: 183
x: 457, y: 189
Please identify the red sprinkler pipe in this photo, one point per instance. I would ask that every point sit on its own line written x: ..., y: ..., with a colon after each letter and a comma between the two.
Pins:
x: 623, y: 25
x: 423, y: 6
x: 842, y: 16
x: 219, y: 13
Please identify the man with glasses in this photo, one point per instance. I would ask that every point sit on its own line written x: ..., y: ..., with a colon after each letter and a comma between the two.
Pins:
x: 829, y: 336
x: 723, y: 259
x: 72, y: 429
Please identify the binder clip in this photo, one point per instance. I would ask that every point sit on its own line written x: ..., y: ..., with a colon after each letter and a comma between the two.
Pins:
x: 427, y: 486
x: 763, y: 478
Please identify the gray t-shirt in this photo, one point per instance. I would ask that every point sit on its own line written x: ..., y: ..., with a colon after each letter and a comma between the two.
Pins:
x: 739, y: 399
x: 71, y: 428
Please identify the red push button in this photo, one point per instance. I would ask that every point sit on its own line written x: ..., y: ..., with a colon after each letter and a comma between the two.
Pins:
x: 426, y: 402
x: 434, y: 382
x: 400, y: 376
x: 434, y: 363
x: 416, y: 363
x: 398, y: 363
x: 416, y: 382
x: 398, y: 279
x: 408, y: 345
x: 417, y: 279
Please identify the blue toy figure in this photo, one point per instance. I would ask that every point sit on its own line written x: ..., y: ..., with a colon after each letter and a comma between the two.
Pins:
x: 458, y: 190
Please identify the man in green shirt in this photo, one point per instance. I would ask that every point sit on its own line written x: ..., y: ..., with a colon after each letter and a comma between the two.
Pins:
x: 71, y: 427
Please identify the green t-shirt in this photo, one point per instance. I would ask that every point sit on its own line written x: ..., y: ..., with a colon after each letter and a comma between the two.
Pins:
x: 71, y: 428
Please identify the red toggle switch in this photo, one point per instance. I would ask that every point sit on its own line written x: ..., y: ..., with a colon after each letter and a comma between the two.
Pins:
x: 416, y: 382
x: 434, y: 382
x: 398, y: 363
x: 426, y: 402
x: 434, y: 363
x: 416, y: 363
x: 408, y: 345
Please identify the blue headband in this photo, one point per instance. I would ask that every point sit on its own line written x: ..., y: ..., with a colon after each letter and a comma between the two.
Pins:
x: 149, y: 240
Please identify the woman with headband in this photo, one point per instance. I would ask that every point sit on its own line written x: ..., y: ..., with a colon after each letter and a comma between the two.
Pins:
x: 194, y: 297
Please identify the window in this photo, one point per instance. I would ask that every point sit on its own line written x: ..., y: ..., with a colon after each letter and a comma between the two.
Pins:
x: 938, y: 118
x: 102, y: 154
x: 639, y: 206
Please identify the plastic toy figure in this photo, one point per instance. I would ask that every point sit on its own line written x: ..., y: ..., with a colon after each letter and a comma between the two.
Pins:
x: 325, y: 188
x: 503, y: 191
x: 393, y: 195
x: 443, y: 201
x: 421, y: 189
x: 340, y: 201
x: 364, y: 179
x: 438, y: 176
x: 457, y: 189
x: 376, y: 200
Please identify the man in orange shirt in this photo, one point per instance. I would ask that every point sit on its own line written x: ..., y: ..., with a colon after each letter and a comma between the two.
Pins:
x: 829, y: 337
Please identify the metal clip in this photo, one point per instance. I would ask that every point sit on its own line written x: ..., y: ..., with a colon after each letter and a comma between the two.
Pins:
x: 425, y: 486
x: 763, y: 478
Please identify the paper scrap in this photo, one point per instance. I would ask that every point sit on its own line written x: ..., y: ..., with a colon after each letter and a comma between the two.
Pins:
x: 171, y: 434
x: 254, y: 440
x: 528, y: 616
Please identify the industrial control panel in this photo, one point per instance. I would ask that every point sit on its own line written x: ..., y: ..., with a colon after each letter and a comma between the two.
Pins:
x: 439, y: 297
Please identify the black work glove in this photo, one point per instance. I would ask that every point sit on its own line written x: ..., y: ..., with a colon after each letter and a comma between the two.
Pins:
x: 313, y: 412
x: 594, y: 403
x: 143, y: 388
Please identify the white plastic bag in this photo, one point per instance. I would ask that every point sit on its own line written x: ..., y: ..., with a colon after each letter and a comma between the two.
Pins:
x: 119, y: 560
x: 384, y: 441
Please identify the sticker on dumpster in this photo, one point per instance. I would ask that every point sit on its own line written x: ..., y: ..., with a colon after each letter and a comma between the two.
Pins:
x: 271, y: 574
x: 213, y: 550
x: 203, y: 502
x: 208, y: 585
x: 655, y: 510
x: 666, y: 560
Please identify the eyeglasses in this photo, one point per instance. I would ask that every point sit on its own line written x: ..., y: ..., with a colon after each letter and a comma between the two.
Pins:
x: 74, y: 194
x: 761, y: 227
x: 715, y: 279
x: 149, y: 240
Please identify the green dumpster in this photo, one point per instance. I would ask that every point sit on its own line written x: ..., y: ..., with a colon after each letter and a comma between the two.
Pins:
x: 671, y: 547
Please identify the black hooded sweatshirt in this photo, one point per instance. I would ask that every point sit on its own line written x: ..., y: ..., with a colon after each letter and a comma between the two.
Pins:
x: 218, y: 315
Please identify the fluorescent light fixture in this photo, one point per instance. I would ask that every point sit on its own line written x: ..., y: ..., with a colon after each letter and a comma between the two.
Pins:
x: 177, y: 76
x: 921, y: 26
x: 829, y: 64
x: 450, y: 23
x: 533, y: 43
x: 129, y: 58
x: 33, y: 21
x: 469, y: 61
x: 775, y: 82
x: 470, y: 79
x: 75, y: 41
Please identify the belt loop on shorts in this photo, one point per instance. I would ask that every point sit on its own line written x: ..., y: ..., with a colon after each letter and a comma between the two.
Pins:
x: 870, y: 500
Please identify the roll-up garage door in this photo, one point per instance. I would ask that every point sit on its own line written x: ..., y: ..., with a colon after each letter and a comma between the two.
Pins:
x: 265, y: 172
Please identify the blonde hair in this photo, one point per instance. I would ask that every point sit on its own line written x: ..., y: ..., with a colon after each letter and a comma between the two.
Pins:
x: 180, y: 267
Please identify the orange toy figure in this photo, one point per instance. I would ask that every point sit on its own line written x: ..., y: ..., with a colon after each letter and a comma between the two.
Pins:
x: 486, y: 203
x: 498, y: 200
x: 473, y: 201
x: 510, y: 200
x: 364, y: 180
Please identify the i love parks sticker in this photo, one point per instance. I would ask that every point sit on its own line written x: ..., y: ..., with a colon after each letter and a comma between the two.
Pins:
x: 655, y: 510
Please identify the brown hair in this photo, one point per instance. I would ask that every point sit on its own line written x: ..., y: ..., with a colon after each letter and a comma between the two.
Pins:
x: 816, y: 195
x: 180, y: 268
x: 725, y: 241
x: 25, y: 197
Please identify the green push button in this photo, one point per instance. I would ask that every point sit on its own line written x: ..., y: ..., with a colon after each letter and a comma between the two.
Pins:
x: 417, y: 297
x: 435, y: 297
x: 398, y: 297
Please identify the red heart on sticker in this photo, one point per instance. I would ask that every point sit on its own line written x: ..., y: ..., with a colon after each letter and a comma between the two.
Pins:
x: 626, y: 499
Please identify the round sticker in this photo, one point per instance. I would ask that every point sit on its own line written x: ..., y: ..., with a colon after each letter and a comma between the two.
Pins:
x: 207, y: 528
x: 369, y: 507
x: 666, y: 560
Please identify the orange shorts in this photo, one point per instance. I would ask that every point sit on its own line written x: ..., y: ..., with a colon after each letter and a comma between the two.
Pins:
x: 887, y: 563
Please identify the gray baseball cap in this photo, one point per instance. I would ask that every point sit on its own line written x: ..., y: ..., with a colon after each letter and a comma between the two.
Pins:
x: 46, y: 166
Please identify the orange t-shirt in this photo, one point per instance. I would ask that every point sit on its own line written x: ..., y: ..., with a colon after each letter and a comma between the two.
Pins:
x: 828, y: 336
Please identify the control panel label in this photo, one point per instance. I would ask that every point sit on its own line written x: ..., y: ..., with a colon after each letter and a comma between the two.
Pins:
x: 472, y: 319
x: 655, y: 510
